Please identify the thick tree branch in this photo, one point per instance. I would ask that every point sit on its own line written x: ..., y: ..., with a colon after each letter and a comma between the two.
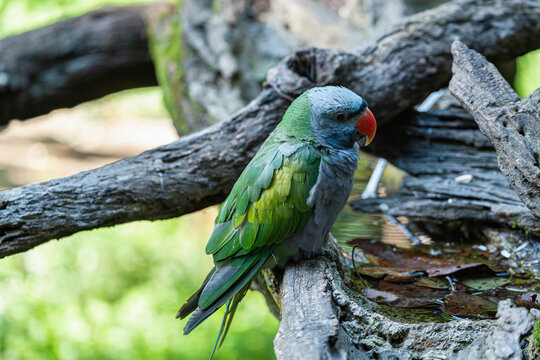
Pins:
x: 512, y: 126
x: 196, y: 171
x: 310, y: 321
x: 75, y: 60
x: 187, y: 175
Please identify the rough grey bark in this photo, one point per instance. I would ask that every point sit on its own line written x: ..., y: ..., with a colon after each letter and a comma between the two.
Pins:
x: 199, y: 170
x: 512, y: 125
x: 503, y: 343
x: 310, y: 323
x: 324, y: 315
x: 75, y: 60
x: 452, y: 170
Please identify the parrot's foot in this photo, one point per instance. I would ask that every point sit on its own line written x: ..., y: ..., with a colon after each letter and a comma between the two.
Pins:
x: 272, y: 284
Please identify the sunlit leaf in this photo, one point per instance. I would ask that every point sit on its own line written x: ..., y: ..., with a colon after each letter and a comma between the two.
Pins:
x: 433, y: 282
x: 485, y: 283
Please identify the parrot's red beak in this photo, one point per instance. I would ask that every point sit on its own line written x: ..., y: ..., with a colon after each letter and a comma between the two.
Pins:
x: 366, y: 125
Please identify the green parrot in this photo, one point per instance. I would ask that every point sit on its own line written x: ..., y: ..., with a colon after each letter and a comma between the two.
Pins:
x: 287, y: 198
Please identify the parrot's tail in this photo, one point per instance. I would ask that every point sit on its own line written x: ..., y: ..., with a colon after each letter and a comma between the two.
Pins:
x: 230, y: 309
x: 228, y: 281
x: 193, y: 301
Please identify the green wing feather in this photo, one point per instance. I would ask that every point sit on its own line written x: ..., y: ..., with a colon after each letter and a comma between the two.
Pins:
x: 267, y: 203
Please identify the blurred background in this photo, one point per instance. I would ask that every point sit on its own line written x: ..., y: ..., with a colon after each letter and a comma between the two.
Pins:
x: 113, y: 293
x: 109, y: 293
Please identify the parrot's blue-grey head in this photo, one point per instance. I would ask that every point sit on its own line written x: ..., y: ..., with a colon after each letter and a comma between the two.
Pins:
x: 340, y: 118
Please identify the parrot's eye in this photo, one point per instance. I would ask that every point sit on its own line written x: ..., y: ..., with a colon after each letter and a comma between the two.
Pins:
x: 341, y: 116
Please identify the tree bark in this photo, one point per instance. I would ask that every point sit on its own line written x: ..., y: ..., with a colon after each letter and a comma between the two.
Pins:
x: 76, y: 60
x: 224, y: 55
x: 310, y: 323
x: 512, y: 125
x: 196, y: 171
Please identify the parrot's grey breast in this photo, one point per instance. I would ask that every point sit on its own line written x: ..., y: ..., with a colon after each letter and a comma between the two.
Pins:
x: 327, y: 197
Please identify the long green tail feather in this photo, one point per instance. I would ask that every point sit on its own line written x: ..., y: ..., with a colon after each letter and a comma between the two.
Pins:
x: 192, y: 303
x: 221, y: 329
x: 230, y: 310
x: 229, y: 290
x: 230, y: 314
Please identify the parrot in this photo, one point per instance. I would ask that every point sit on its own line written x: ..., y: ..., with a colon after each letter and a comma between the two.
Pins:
x: 286, y: 200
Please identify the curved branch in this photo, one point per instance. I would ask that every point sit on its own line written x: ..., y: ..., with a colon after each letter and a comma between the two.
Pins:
x: 184, y: 176
x: 512, y: 125
x: 196, y: 171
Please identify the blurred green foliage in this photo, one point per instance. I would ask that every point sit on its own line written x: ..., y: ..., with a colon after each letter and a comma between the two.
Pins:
x: 113, y: 294
x: 527, y: 78
x: 22, y: 15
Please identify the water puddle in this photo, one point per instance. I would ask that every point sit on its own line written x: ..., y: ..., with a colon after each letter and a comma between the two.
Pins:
x: 425, y: 279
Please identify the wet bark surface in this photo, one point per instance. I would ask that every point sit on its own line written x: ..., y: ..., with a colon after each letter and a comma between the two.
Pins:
x: 325, y: 315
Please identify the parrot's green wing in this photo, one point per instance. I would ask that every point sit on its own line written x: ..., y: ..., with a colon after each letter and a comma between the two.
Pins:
x: 267, y: 204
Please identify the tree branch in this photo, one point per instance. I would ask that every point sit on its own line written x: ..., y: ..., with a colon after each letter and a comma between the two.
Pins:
x: 452, y: 174
x: 512, y: 126
x: 187, y: 175
x: 199, y: 170
x: 75, y: 60
x: 310, y: 323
